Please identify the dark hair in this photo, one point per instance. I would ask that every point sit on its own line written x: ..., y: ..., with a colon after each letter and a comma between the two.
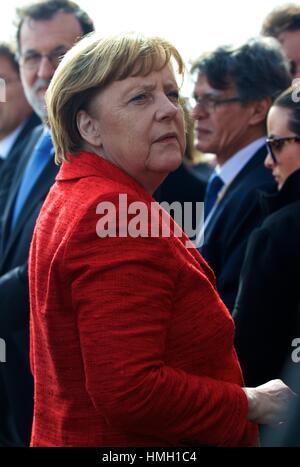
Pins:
x: 8, y: 51
x: 258, y: 69
x: 290, y: 100
x: 46, y: 9
x: 283, y: 18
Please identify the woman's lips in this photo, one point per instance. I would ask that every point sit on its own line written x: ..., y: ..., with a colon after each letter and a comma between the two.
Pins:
x: 167, y: 138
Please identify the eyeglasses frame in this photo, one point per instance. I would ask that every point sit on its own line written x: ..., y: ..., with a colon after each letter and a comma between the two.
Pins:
x: 284, y: 139
x: 214, y: 102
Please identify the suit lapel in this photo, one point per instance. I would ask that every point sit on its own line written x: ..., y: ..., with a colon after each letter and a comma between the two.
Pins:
x: 256, y: 160
x: 31, y: 123
x: 36, y: 197
x: 6, y: 220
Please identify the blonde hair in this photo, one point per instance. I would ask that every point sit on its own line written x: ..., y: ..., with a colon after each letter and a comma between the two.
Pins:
x: 87, y: 68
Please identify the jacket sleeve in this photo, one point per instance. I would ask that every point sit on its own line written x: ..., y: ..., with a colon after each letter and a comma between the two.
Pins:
x: 14, y: 301
x: 262, y: 309
x: 124, y: 308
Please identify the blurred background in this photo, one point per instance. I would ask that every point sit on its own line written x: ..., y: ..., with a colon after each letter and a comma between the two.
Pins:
x: 194, y: 27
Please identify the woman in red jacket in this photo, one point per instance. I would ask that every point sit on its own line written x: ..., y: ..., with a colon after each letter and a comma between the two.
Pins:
x: 130, y: 342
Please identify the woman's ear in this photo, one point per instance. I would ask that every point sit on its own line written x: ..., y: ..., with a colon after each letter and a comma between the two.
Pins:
x: 88, y: 128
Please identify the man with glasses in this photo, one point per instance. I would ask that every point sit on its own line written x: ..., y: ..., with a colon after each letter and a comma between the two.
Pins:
x: 46, y: 30
x: 234, y: 89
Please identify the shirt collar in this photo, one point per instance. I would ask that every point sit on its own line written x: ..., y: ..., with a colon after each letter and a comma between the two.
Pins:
x: 7, y: 143
x: 231, y: 168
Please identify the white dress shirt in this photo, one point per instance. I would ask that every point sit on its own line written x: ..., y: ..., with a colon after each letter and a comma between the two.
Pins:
x: 7, y: 143
x: 228, y: 172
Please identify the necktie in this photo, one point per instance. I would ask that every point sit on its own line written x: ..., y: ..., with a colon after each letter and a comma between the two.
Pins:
x: 41, y: 154
x: 214, y: 186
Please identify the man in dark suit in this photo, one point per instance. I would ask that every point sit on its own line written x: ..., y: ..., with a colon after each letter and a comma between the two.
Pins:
x: 46, y: 30
x: 16, y: 120
x: 233, y: 92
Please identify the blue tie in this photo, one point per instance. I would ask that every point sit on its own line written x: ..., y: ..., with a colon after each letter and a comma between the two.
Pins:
x: 215, y: 183
x: 41, y: 154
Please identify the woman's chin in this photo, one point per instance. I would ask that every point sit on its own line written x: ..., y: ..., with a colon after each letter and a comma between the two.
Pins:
x: 171, y: 164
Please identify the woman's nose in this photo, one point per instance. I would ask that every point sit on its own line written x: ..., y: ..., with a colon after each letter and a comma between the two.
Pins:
x: 167, y: 108
x: 269, y: 163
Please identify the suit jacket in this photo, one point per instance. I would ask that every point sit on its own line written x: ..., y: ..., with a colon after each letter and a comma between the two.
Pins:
x: 238, y: 213
x: 16, y: 386
x: 266, y: 310
x: 130, y: 343
x: 183, y: 186
x: 17, y: 152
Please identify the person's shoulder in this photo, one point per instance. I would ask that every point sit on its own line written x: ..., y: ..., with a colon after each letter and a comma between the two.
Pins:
x: 286, y: 216
x: 281, y: 229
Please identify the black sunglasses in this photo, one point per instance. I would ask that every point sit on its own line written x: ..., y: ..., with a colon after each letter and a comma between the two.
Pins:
x: 276, y: 144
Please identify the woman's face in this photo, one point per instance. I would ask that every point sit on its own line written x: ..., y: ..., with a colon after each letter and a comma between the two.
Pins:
x: 288, y: 153
x: 140, y: 126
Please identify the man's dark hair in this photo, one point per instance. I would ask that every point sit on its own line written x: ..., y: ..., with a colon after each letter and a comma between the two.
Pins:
x: 47, y: 9
x: 8, y: 51
x: 283, y: 18
x: 258, y: 69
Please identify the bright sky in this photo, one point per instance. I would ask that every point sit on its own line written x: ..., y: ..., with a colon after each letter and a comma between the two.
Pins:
x: 192, y: 25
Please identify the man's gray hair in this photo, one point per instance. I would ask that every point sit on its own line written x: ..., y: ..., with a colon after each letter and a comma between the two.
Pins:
x: 258, y: 68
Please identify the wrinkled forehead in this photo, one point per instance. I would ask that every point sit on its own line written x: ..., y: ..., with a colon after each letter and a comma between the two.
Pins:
x: 143, y: 65
x: 63, y: 29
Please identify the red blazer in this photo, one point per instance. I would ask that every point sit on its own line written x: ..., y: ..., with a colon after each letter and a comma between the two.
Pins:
x: 130, y: 342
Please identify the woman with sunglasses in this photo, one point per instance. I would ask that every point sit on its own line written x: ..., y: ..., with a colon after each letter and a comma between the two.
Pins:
x: 265, y: 312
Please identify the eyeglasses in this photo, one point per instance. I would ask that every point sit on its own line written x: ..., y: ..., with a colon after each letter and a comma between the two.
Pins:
x: 276, y: 144
x: 210, y: 103
x: 32, y: 60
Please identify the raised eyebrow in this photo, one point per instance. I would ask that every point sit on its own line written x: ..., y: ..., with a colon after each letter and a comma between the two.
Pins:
x: 172, y: 87
x: 144, y: 87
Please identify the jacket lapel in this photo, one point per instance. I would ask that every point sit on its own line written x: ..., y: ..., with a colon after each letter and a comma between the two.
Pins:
x: 37, y: 196
x: 256, y: 160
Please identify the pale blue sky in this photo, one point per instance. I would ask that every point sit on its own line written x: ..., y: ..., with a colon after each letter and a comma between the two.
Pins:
x: 194, y: 27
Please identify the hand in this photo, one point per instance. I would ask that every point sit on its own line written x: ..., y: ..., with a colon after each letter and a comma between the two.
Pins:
x: 267, y: 404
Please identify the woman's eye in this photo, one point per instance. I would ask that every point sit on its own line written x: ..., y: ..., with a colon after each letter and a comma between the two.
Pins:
x: 139, y: 98
x: 278, y: 144
x: 173, y: 95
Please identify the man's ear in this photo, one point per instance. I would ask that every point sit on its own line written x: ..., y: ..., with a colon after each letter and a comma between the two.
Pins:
x: 260, y: 109
x: 88, y: 128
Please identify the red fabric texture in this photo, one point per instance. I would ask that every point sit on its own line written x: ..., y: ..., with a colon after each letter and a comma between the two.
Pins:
x: 130, y: 343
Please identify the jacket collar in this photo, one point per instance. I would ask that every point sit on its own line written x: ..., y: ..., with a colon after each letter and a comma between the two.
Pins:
x: 289, y: 193
x: 88, y: 164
